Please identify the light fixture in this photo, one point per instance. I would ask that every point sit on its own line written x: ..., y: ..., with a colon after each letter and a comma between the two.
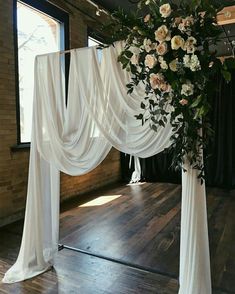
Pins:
x: 227, y: 14
x: 98, y: 11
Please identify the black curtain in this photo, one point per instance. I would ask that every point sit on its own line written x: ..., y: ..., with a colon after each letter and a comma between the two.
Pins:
x: 220, y: 166
x: 220, y: 155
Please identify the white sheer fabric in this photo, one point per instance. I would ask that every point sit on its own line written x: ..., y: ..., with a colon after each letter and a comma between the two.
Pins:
x: 76, y: 139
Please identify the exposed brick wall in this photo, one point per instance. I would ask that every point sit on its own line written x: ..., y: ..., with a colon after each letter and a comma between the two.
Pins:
x: 14, y: 165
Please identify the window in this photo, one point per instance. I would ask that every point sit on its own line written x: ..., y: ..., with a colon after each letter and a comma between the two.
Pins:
x: 94, y: 42
x: 40, y: 28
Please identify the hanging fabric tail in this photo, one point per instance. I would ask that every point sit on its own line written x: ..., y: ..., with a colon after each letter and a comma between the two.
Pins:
x: 195, y: 277
x: 136, y: 175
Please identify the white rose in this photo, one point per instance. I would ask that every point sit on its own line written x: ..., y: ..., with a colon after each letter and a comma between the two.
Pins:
x: 174, y: 65
x: 177, y: 42
x: 191, y: 41
x: 161, y: 48
x: 162, y: 34
x: 150, y: 60
x: 165, y: 10
x: 187, y: 89
x: 162, y: 62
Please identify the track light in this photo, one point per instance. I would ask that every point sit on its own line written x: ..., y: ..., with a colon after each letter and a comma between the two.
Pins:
x: 98, y: 11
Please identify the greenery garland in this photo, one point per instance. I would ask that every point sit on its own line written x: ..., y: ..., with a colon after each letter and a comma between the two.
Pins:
x: 168, y: 48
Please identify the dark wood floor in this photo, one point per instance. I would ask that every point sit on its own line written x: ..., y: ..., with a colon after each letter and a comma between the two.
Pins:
x: 128, y: 240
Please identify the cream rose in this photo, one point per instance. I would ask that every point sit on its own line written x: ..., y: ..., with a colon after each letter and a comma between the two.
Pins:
x: 162, y: 34
x: 189, y: 45
x: 134, y: 59
x: 177, y: 21
x: 177, y: 42
x: 150, y: 61
x: 161, y: 48
x: 186, y: 23
x: 165, y: 10
x: 174, y: 65
x: 156, y: 80
x: 148, y: 45
x: 164, y: 87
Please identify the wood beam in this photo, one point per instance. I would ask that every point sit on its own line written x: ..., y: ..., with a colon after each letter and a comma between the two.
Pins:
x: 226, y: 16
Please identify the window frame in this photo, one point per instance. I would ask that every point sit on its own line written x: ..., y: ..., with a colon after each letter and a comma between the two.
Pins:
x: 59, y: 15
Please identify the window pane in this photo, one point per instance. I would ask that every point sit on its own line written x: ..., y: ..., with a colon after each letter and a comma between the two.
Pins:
x: 92, y: 42
x: 37, y: 33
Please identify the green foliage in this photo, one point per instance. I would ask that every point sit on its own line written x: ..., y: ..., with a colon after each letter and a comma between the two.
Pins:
x: 168, y: 49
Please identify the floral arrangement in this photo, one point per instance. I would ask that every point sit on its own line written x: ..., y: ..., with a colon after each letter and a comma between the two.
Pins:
x: 168, y: 48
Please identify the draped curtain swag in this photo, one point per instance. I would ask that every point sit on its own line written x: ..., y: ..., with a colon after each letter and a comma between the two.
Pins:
x: 76, y: 139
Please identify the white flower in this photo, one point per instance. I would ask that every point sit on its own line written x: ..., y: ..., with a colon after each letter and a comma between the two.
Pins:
x: 192, y: 62
x: 162, y: 34
x: 174, y: 65
x: 195, y: 63
x: 135, y: 41
x: 177, y: 21
x: 134, y: 50
x: 134, y: 59
x: 191, y: 41
x: 148, y: 45
x: 150, y: 60
x: 187, y: 60
x: 189, y: 20
x: 161, y: 48
x: 185, y: 24
x: 187, y: 89
x: 189, y: 45
x: 162, y: 62
x: 177, y: 42
x: 165, y: 10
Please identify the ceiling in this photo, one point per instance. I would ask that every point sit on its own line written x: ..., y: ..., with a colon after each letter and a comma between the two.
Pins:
x: 114, y: 4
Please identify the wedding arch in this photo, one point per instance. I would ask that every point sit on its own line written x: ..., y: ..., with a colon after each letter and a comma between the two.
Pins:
x: 75, y: 139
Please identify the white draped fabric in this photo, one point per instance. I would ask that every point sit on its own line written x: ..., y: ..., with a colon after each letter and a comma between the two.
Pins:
x: 76, y: 139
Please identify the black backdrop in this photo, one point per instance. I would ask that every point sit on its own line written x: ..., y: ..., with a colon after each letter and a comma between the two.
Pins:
x: 220, y: 165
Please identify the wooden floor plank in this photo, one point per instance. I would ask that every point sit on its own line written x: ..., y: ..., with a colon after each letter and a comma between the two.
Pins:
x: 140, y: 227
x: 81, y: 274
